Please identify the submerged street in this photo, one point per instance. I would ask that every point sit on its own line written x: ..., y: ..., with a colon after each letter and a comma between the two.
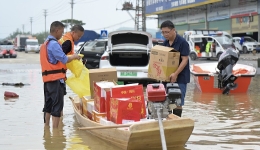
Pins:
x: 221, y: 121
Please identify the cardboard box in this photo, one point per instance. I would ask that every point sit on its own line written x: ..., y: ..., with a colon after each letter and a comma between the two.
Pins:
x: 97, y: 116
x: 85, y: 106
x: 90, y: 108
x: 100, y: 94
x: 163, y: 62
x: 134, y: 91
x: 105, y: 122
x: 104, y: 74
x: 78, y: 104
x: 124, y: 110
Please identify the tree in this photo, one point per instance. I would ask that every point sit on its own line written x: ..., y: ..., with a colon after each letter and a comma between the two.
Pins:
x: 67, y: 22
x: 15, y: 33
x: 40, y: 36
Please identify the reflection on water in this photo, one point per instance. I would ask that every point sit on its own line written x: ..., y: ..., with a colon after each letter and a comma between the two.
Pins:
x: 221, y: 121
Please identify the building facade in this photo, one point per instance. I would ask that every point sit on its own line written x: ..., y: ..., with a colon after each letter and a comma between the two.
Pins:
x: 238, y: 17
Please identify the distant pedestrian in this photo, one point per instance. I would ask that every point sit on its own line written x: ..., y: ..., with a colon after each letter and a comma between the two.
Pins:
x: 242, y: 40
x: 182, y: 74
x: 53, y: 63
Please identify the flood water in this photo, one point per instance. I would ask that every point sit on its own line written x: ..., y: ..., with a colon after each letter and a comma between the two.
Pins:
x: 221, y: 121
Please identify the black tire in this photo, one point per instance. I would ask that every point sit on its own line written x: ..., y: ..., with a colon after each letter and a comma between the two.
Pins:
x: 218, y: 55
x: 245, y: 51
x: 193, y: 56
x: 13, y: 56
x: 5, y: 56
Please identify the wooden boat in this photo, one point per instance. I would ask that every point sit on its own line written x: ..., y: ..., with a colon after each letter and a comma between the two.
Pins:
x: 206, y: 77
x: 141, y: 135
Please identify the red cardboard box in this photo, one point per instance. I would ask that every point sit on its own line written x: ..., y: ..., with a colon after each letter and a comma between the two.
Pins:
x: 131, y: 91
x: 99, y: 95
x: 107, y: 103
x: 123, y: 110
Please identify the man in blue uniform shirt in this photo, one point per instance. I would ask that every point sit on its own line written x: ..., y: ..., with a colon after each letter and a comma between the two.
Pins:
x: 182, y: 74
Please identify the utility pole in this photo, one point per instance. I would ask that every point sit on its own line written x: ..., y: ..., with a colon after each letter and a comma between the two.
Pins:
x: 140, y: 18
x: 23, y: 28
x: 72, y: 3
x: 45, y: 14
x: 31, y: 20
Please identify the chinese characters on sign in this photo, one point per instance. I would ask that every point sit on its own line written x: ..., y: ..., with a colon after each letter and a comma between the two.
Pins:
x: 160, y: 5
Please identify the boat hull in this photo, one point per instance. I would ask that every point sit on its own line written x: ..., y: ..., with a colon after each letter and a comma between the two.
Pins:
x: 207, y: 84
x: 206, y: 77
x: 141, y: 136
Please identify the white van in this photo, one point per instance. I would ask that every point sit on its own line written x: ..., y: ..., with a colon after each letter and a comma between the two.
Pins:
x: 32, y: 45
x: 207, y: 43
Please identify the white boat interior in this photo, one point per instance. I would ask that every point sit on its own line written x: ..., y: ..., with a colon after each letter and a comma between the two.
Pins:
x: 211, y: 69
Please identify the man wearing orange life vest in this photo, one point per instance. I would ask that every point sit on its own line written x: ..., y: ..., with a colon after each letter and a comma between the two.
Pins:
x: 67, y: 40
x: 53, y: 63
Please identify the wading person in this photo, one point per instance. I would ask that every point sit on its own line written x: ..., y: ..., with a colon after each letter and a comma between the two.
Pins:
x: 67, y: 42
x: 53, y: 63
x: 182, y: 74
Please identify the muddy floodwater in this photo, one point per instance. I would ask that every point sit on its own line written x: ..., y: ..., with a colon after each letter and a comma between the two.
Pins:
x: 221, y: 121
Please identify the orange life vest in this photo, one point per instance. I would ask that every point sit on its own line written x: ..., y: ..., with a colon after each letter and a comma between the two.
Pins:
x: 66, y: 37
x: 50, y: 72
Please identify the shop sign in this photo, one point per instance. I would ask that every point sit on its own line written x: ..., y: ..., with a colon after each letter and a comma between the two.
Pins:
x: 240, y: 8
x: 152, y: 6
x: 245, y: 24
x: 218, y: 11
x: 196, y: 15
x: 180, y: 17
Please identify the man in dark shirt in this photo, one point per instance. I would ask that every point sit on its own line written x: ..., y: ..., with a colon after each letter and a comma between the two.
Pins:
x: 182, y: 74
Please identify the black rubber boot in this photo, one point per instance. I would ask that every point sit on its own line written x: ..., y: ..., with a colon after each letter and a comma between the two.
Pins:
x: 177, y: 112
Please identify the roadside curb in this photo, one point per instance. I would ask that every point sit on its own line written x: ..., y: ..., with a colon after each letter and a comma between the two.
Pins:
x: 249, y: 56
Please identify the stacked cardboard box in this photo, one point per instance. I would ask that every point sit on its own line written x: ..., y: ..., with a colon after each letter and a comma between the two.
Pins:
x: 121, y: 103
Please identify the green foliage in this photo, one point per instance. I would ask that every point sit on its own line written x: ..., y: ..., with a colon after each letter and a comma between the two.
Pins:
x: 42, y: 35
x: 68, y: 22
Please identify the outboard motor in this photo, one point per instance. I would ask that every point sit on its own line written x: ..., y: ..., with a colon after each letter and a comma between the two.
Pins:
x: 164, y: 99
x: 226, y: 62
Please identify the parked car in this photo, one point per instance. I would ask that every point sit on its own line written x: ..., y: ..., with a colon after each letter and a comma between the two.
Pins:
x: 129, y: 52
x: 248, y: 45
x: 78, y: 46
x: 92, y: 52
x: 7, y: 50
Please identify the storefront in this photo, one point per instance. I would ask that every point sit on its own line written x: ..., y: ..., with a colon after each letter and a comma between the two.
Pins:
x: 197, y: 18
x: 180, y: 20
x: 164, y: 17
x: 244, y: 19
x: 218, y: 16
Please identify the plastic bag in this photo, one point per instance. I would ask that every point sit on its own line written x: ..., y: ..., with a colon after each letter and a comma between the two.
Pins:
x: 75, y: 66
x: 80, y: 85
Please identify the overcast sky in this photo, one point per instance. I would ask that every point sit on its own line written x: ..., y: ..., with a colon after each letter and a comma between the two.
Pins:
x: 97, y: 14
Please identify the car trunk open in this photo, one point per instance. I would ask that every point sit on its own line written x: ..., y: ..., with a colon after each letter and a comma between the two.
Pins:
x: 133, y: 38
x: 129, y: 48
x: 131, y: 59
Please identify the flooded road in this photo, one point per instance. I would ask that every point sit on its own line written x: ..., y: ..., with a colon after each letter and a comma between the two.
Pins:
x: 221, y: 121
